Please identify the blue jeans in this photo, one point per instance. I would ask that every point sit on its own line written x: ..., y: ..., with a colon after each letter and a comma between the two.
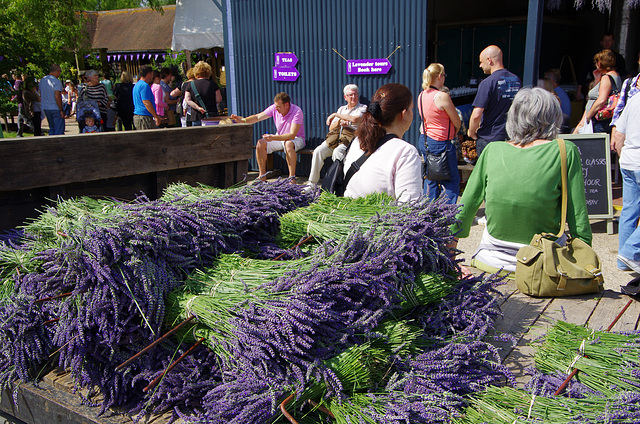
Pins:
x: 481, y: 143
x: 56, y: 123
x: 628, y: 230
x: 450, y: 188
x: 602, y: 126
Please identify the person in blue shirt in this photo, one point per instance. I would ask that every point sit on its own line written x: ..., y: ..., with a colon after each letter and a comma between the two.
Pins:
x: 145, y: 116
x: 51, y: 93
x: 553, y: 77
x: 495, y: 94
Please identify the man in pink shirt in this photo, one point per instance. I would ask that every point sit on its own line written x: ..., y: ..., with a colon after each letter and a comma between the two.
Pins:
x: 288, y: 137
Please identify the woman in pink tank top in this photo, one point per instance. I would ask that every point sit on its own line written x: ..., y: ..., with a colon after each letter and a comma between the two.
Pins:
x: 440, y: 124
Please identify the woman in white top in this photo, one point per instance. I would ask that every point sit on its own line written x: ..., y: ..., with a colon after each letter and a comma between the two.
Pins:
x: 394, y: 167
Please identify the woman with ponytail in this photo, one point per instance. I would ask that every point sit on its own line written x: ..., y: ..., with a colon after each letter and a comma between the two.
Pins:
x: 393, y: 166
x: 439, y: 124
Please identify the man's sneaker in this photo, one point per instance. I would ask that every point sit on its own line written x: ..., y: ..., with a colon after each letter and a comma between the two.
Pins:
x: 309, y: 187
x: 630, y: 263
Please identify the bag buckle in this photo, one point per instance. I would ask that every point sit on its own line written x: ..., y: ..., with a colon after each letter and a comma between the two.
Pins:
x: 562, y: 283
x: 597, y: 272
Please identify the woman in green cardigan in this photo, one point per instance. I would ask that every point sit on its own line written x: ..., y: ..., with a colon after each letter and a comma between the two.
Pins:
x: 520, y: 182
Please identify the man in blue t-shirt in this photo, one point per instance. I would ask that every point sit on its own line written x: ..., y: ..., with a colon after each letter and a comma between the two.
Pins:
x: 51, y: 95
x: 492, y: 102
x: 553, y: 76
x: 145, y: 116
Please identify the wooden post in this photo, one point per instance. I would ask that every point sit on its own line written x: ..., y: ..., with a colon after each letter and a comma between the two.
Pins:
x: 532, y: 44
x: 188, y: 54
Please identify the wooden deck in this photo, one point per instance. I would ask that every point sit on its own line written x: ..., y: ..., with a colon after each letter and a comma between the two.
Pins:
x: 528, y: 318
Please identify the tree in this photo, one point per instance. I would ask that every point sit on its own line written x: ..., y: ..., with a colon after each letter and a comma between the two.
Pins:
x: 37, y: 33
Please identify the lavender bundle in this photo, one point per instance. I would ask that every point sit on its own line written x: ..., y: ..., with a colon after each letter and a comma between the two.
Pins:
x: 273, y: 341
x: 505, y: 405
x: 118, y: 270
x: 398, y: 386
x: 414, y: 379
x: 332, y: 218
x: 607, y: 362
x: 604, y: 390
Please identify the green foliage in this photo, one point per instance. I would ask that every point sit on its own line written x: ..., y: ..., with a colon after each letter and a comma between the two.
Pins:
x: 69, y: 71
x: 97, y: 5
x: 170, y: 61
x: 36, y: 33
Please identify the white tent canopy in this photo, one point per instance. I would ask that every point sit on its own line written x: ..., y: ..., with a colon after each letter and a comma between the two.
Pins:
x: 198, y: 25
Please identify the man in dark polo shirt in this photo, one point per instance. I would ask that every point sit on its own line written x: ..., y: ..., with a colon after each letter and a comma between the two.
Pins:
x: 492, y: 102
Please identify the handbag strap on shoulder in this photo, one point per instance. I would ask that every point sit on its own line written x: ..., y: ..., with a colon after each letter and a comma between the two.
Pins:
x: 198, y: 96
x: 563, y: 170
x: 355, y: 166
x: 614, y: 86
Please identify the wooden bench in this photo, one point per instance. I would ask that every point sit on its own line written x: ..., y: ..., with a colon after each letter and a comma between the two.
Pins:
x: 277, y: 171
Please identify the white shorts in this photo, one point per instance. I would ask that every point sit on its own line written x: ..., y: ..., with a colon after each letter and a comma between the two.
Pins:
x: 277, y: 145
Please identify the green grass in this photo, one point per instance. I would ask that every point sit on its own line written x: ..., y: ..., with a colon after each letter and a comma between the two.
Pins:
x: 13, y: 134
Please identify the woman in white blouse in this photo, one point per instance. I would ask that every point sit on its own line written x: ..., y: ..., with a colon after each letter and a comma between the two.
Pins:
x: 393, y: 166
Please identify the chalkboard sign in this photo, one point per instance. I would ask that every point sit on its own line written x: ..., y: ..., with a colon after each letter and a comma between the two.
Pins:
x: 596, y: 170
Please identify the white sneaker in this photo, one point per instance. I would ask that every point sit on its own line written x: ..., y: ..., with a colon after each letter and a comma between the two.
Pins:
x: 309, y: 187
x: 634, y: 265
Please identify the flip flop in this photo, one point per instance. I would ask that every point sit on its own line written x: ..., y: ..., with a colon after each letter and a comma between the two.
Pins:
x: 632, y: 288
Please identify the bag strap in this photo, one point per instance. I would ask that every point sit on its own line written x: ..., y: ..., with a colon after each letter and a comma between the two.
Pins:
x: 355, y: 166
x: 613, y: 83
x: 563, y: 170
x: 424, y: 124
x: 198, y: 96
x: 84, y: 92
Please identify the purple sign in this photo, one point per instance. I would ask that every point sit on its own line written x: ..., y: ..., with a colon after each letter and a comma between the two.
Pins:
x: 286, y: 59
x: 368, y: 66
x: 285, y: 73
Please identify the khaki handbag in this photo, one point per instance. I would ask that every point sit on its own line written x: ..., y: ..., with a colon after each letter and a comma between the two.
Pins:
x: 544, y: 268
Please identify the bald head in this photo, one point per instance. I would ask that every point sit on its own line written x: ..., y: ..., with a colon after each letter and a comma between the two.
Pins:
x: 491, y: 59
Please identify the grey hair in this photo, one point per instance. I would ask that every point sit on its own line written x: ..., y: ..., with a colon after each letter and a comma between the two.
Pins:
x: 534, y: 114
x: 90, y: 73
x: 350, y: 87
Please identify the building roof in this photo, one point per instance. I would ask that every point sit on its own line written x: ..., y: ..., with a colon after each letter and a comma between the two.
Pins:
x: 134, y: 30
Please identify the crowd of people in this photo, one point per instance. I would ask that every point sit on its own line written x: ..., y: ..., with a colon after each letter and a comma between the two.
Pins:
x: 514, y: 130
x: 111, y: 107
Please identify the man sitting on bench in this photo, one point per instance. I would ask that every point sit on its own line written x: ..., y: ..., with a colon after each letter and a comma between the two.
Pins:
x: 288, y: 137
x: 342, y: 128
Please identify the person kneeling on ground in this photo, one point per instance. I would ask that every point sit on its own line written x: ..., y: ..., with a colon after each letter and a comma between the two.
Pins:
x: 520, y: 183
x: 288, y: 137
x: 342, y: 128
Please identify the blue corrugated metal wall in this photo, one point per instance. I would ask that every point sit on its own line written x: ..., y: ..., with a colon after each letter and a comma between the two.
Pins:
x: 357, y: 29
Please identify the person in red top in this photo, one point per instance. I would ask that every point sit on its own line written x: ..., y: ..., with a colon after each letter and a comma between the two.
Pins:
x: 440, y: 124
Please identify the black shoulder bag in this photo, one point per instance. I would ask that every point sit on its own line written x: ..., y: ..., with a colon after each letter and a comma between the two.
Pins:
x: 335, y: 181
x: 435, y: 167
